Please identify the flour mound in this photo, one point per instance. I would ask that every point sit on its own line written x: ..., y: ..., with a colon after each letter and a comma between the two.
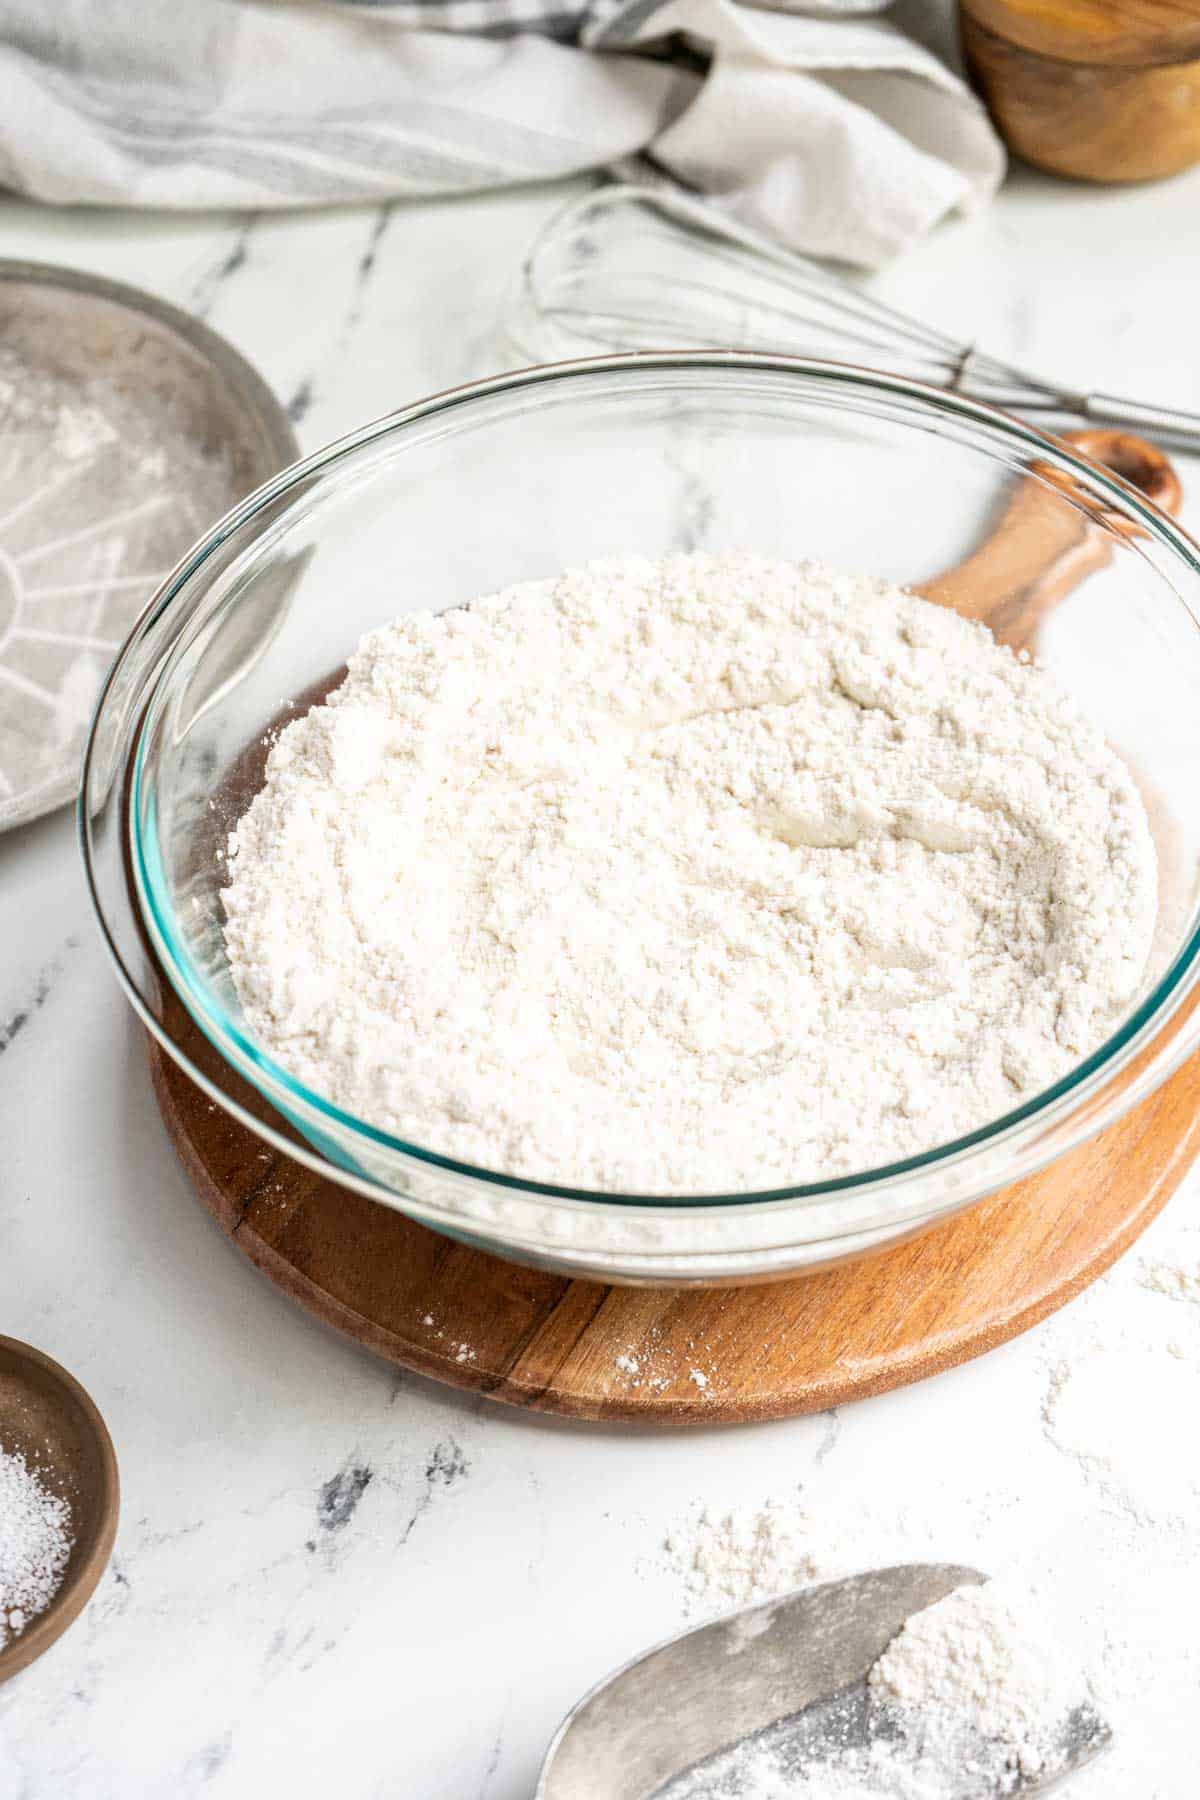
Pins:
x: 714, y: 873
x: 739, y: 1557
x: 975, y: 1659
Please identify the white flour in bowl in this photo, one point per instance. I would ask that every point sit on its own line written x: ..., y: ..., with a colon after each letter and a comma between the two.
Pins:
x: 715, y: 873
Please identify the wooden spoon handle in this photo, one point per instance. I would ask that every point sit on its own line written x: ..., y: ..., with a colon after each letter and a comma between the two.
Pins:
x: 1042, y: 548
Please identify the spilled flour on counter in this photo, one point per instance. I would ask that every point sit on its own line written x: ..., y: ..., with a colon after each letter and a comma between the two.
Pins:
x: 714, y: 873
x: 35, y: 1545
x: 734, y: 1558
x: 1179, y: 1281
x: 967, y: 1701
x: 1097, y: 1412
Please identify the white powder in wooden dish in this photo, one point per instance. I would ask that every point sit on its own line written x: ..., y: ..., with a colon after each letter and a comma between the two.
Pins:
x: 709, y: 874
x: 35, y: 1545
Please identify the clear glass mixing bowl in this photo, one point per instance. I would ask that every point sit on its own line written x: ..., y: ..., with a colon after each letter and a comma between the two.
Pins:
x: 516, y: 478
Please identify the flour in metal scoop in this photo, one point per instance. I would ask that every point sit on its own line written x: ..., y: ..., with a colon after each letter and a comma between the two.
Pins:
x: 714, y: 873
x: 972, y: 1700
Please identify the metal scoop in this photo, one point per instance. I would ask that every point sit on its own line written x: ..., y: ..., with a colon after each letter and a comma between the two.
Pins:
x: 792, y: 1671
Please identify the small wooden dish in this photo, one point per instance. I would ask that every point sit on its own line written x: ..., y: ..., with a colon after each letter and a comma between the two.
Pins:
x: 1102, y: 90
x: 47, y: 1417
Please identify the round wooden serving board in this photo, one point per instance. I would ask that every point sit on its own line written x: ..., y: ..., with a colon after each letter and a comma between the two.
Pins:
x: 680, y: 1356
x: 706, y: 1356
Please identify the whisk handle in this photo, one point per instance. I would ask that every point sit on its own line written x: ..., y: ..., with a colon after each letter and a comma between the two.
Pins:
x: 1181, y: 428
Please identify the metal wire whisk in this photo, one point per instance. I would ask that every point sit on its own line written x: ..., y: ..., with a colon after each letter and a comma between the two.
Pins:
x: 636, y: 268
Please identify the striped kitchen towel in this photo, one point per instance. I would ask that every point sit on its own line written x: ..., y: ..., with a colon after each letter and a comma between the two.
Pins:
x: 826, y: 127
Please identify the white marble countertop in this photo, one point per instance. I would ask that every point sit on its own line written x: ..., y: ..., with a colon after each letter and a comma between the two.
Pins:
x: 258, y: 1633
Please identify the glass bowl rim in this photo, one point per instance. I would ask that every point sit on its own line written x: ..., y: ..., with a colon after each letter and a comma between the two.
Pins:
x: 1050, y: 1105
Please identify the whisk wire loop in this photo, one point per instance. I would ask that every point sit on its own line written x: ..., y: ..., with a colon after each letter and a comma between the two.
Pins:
x: 638, y: 267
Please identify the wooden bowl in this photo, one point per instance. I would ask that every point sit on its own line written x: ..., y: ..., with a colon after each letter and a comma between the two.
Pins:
x: 53, y: 1423
x: 1102, y: 90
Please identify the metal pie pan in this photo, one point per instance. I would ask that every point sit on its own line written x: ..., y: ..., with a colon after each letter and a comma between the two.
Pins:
x: 73, y: 575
